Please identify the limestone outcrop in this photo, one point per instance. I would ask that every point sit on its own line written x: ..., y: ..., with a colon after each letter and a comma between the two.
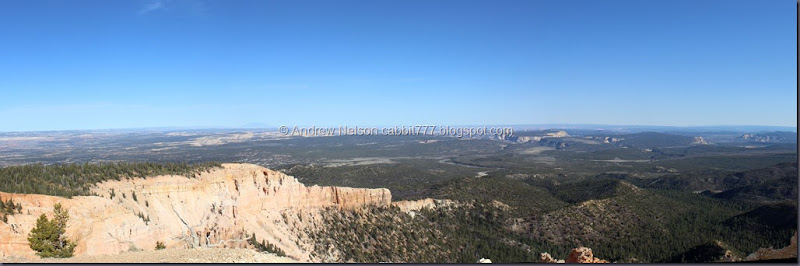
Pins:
x: 547, y: 258
x: 577, y: 255
x: 416, y: 205
x: 219, y: 208
x: 411, y: 207
x: 583, y: 255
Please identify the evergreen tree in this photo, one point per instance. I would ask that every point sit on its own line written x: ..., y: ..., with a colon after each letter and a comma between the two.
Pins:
x: 48, y: 239
x: 10, y: 206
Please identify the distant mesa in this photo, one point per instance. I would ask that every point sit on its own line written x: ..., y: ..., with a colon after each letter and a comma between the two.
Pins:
x: 770, y: 137
x: 527, y: 137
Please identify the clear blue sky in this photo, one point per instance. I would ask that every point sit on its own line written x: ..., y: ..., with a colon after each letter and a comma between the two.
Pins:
x: 127, y: 64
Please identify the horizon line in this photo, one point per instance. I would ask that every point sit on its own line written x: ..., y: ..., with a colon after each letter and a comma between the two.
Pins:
x: 550, y: 125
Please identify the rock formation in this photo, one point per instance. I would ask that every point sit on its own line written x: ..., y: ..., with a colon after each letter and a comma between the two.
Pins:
x: 787, y: 252
x: 546, y: 258
x: 416, y: 205
x: 411, y: 207
x: 559, y: 134
x: 583, y: 255
x: 577, y: 255
x: 699, y: 141
x: 220, y: 208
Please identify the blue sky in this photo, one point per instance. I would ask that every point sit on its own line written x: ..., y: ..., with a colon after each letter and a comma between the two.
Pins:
x: 127, y: 64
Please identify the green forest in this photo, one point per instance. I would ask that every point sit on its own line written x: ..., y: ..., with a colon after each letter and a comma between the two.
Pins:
x: 68, y: 180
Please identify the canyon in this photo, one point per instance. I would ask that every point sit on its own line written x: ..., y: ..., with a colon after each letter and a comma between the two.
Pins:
x: 221, y: 208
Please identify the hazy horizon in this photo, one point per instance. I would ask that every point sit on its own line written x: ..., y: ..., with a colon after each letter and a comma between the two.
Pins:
x: 730, y: 128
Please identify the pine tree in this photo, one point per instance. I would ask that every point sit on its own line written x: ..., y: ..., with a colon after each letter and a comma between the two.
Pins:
x: 10, y: 206
x: 48, y: 239
x: 43, y: 237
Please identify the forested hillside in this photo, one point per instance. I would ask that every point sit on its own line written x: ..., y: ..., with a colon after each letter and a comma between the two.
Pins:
x: 69, y: 180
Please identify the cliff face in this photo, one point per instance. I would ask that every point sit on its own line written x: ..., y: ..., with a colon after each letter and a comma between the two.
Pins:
x: 220, y: 208
x: 416, y: 205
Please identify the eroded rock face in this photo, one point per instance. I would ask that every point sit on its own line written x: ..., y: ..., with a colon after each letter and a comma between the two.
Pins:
x: 547, y: 258
x: 583, y: 255
x: 577, y: 255
x: 220, y: 208
x: 787, y: 252
x: 411, y: 207
x: 416, y: 205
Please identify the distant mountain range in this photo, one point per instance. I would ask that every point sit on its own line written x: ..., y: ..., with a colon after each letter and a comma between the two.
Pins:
x: 645, y: 128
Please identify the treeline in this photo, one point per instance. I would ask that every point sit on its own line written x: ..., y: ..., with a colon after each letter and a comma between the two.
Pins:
x: 69, y: 180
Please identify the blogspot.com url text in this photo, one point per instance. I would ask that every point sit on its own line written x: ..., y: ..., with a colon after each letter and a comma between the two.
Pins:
x: 413, y: 130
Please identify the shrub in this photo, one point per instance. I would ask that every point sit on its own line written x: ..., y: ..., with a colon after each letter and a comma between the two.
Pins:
x: 160, y: 245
